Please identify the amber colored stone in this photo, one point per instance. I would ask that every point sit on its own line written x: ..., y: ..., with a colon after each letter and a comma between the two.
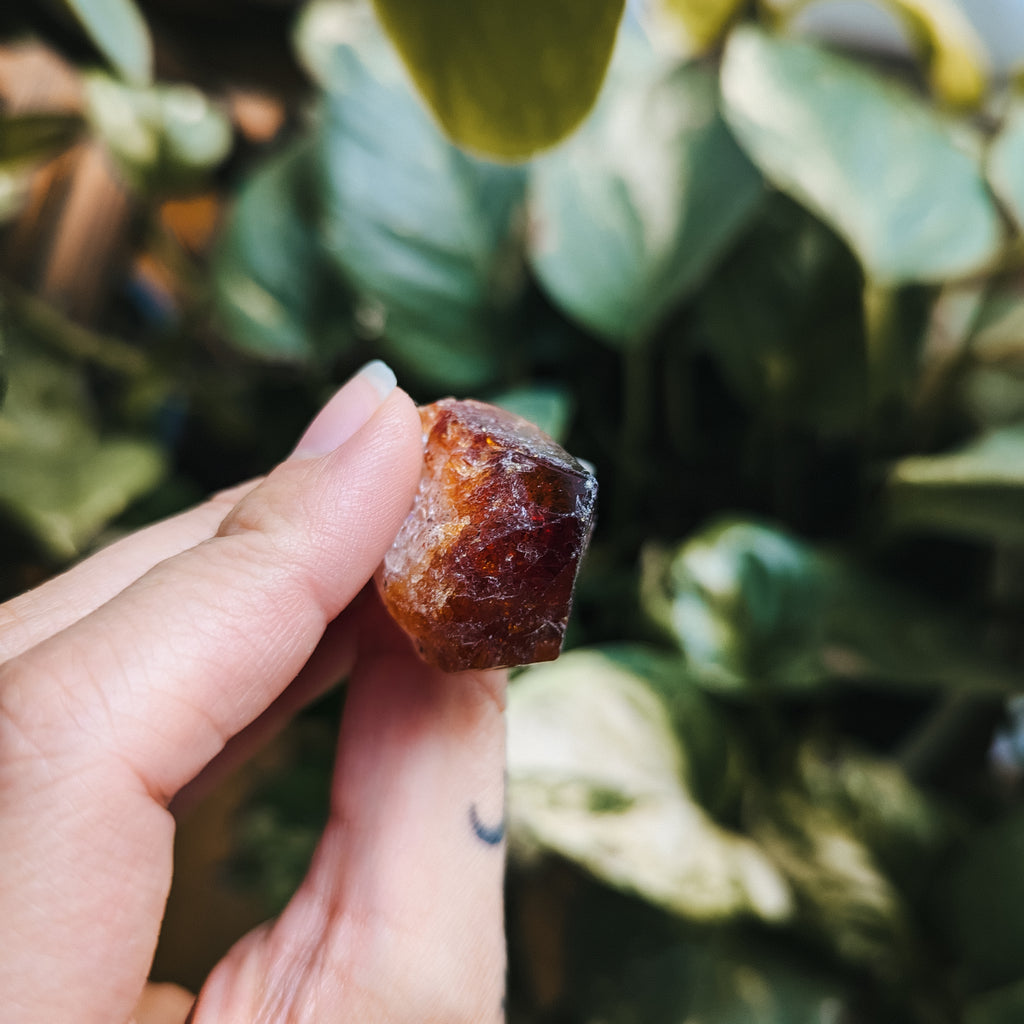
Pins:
x: 482, y: 571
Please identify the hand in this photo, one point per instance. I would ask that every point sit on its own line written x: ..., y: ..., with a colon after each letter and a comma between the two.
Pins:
x: 131, y: 680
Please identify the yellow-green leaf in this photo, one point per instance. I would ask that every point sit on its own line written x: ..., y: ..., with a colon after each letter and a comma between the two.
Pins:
x: 703, y: 22
x: 957, y: 65
x: 505, y: 79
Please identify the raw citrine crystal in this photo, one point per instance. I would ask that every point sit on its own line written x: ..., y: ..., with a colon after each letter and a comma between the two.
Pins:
x: 482, y: 571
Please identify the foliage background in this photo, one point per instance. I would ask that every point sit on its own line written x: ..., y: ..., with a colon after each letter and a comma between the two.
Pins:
x: 772, y: 291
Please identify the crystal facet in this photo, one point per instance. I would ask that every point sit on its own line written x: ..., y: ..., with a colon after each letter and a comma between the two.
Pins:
x: 481, y: 573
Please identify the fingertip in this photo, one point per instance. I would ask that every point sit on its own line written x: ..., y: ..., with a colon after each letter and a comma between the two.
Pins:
x: 348, y: 410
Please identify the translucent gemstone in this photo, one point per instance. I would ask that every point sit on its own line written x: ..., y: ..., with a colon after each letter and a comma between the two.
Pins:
x: 481, y: 574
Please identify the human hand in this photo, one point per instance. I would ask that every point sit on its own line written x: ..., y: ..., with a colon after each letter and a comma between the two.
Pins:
x: 131, y: 680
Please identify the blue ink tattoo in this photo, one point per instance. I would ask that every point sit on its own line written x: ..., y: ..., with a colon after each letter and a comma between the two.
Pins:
x: 490, y: 835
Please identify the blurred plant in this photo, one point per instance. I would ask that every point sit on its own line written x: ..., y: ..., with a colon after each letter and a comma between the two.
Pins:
x: 771, y: 290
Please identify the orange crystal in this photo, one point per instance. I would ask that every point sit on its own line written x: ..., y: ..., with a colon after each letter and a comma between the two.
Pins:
x: 482, y: 571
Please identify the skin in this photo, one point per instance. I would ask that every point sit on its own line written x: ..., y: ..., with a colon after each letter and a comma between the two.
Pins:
x: 130, y: 684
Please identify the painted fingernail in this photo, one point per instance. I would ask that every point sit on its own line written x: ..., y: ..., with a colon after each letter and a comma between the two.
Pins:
x: 348, y: 410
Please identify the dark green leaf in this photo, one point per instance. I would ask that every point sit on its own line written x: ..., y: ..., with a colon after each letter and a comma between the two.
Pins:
x: 277, y: 294
x: 505, y: 79
x: 629, y: 216
x: 782, y: 318
x: 980, y: 903
x: 901, y: 184
x: 758, y: 983
x: 121, y: 35
x: 744, y: 604
x: 1001, y: 1006
x: 752, y: 608
x: 420, y: 230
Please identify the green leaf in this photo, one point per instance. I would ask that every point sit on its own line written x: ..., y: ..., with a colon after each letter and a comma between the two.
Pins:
x: 626, y: 961
x: 630, y: 215
x: 58, y: 476
x: 30, y: 137
x: 991, y: 353
x: 505, y: 79
x: 782, y: 319
x: 845, y: 897
x: 1006, y: 162
x: 121, y: 35
x: 420, y: 230
x: 744, y: 604
x: 277, y: 294
x: 754, y: 609
x: 596, y: 775
x: 548, y: 406
x: 977, y: 491
x: 872, y: 796
x: 899, y: 182
x: 165, y: 139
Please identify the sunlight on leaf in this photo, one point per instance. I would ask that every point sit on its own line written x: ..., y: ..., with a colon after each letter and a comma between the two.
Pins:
x: 596, y: 775
x: 744, y: 603
x: 977, y: 491
x: 164, y: 138
x: 631, y: 214
x: 121, y: 34
x: 900, y: 183
x: 842, y: 892
x: 58, y: 476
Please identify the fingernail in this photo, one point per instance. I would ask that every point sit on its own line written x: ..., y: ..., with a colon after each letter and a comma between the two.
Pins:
x: 378, y: 374
x: 348, y: 410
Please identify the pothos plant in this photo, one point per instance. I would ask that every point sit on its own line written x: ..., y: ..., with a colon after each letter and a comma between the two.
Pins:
x: 771, y: 291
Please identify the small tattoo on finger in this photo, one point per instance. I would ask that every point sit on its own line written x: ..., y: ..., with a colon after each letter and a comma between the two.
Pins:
x: 490, y: 834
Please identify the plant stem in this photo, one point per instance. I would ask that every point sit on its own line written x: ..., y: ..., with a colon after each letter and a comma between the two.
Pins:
x: 887, y: 372
x: 69, y: 338
x: 634, y: 430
